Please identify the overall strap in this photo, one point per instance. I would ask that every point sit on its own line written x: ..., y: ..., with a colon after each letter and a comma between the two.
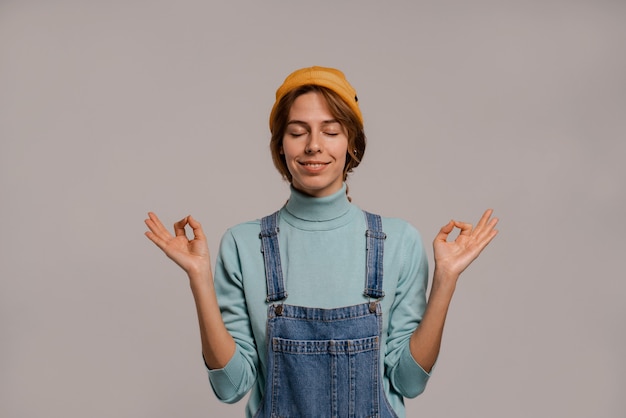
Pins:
x: 271, y: 258
x: 374, y: 247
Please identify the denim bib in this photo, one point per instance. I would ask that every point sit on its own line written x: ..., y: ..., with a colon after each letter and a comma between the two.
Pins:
x: 323, y: 362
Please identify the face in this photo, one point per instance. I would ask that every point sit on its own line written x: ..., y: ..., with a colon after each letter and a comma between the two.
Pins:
x: 314, y: 146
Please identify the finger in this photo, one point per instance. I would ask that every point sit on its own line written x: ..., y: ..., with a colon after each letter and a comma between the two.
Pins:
x: 492, y: 224
x: 156, y: 231
x: 486, y: 230
x: 155, y: 239
x: 466, y: 228
x: 484, y: 241
x: 198, y: 233
x: 179, y: 227
x: 484, y: 219
x: 445, y: 231
x: 485, y: 237
x: 154, y: 223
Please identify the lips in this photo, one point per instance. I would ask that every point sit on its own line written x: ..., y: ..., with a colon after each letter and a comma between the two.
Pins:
x: 313, y: 165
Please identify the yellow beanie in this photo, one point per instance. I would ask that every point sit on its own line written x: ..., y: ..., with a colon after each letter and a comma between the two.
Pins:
x: 330, y: 78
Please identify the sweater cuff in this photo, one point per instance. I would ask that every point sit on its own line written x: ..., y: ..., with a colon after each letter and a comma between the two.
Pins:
x: 222, y: 382
x: 413, y: 377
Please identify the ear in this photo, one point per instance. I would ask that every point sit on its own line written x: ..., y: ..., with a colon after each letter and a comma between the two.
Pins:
x: 282, y: 151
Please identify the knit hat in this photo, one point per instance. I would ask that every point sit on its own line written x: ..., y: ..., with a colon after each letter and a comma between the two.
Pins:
x: 330, y: 78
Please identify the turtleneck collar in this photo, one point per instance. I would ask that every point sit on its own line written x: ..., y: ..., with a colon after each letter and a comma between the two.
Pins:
x: 307, y: 212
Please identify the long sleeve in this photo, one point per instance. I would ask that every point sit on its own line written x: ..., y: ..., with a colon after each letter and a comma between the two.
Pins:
x: 409, y: 303
x: 233, y: 381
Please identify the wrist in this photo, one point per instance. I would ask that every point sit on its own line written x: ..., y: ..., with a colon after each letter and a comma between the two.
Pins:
x: 444, y: 280
x: 199, y: 279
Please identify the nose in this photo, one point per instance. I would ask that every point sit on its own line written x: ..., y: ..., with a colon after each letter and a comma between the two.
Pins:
x: 314, y: 144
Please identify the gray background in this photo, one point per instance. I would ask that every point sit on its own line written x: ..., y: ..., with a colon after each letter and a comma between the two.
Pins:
x: 111, y: 109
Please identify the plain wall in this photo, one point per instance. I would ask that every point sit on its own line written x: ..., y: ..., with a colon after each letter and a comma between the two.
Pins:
x: 111, y: 109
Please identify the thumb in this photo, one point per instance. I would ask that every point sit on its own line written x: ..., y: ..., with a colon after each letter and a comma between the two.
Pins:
x: 198, y: 233
x: 445, y: 231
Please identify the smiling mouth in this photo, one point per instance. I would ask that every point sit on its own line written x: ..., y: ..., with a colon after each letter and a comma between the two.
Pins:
x: 312, y: 164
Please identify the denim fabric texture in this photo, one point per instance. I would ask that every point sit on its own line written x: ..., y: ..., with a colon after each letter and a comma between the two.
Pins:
x: 273, y: 268
x: 375, y: 241
x: 323, y: 362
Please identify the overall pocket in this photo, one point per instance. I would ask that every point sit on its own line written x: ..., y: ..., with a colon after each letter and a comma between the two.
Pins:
x: 325, y: 378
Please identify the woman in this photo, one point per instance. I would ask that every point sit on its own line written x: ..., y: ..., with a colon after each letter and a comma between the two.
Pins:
x: 320, y: 308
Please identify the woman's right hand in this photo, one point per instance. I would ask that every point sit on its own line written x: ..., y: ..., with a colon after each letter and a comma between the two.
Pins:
x: 191, y: 255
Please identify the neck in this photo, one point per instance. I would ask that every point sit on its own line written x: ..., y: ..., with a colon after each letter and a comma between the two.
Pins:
x: 317, y: 209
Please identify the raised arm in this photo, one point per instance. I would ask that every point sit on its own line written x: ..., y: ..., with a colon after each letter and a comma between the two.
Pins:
x: 192, y: 255
x: 451, y: 259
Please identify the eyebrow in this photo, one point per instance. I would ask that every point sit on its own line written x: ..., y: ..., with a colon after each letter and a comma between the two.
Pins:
x: 300, y: 122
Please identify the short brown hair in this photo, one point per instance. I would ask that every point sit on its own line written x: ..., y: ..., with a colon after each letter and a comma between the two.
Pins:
x: 340, y: 111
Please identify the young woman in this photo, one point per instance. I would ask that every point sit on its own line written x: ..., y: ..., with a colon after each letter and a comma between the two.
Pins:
x: 320, y: 308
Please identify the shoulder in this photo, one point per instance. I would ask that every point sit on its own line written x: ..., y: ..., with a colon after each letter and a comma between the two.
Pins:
x: 244, y: 228
x: 241, y: 233
x: 240, y: 242
x: 400, y: 232
x: 397, y: 228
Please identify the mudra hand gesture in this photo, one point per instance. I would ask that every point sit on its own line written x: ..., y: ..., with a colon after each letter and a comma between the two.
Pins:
x: 192, y: 255
x: 453, y: 257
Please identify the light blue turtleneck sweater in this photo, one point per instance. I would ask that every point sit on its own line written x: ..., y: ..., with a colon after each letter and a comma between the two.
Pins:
x: 322, y: 247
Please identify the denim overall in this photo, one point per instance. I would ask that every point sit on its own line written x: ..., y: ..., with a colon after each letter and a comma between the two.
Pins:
x: 323, y: 362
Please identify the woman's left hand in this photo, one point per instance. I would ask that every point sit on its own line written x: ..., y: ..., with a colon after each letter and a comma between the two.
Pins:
x: 453, y: 257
